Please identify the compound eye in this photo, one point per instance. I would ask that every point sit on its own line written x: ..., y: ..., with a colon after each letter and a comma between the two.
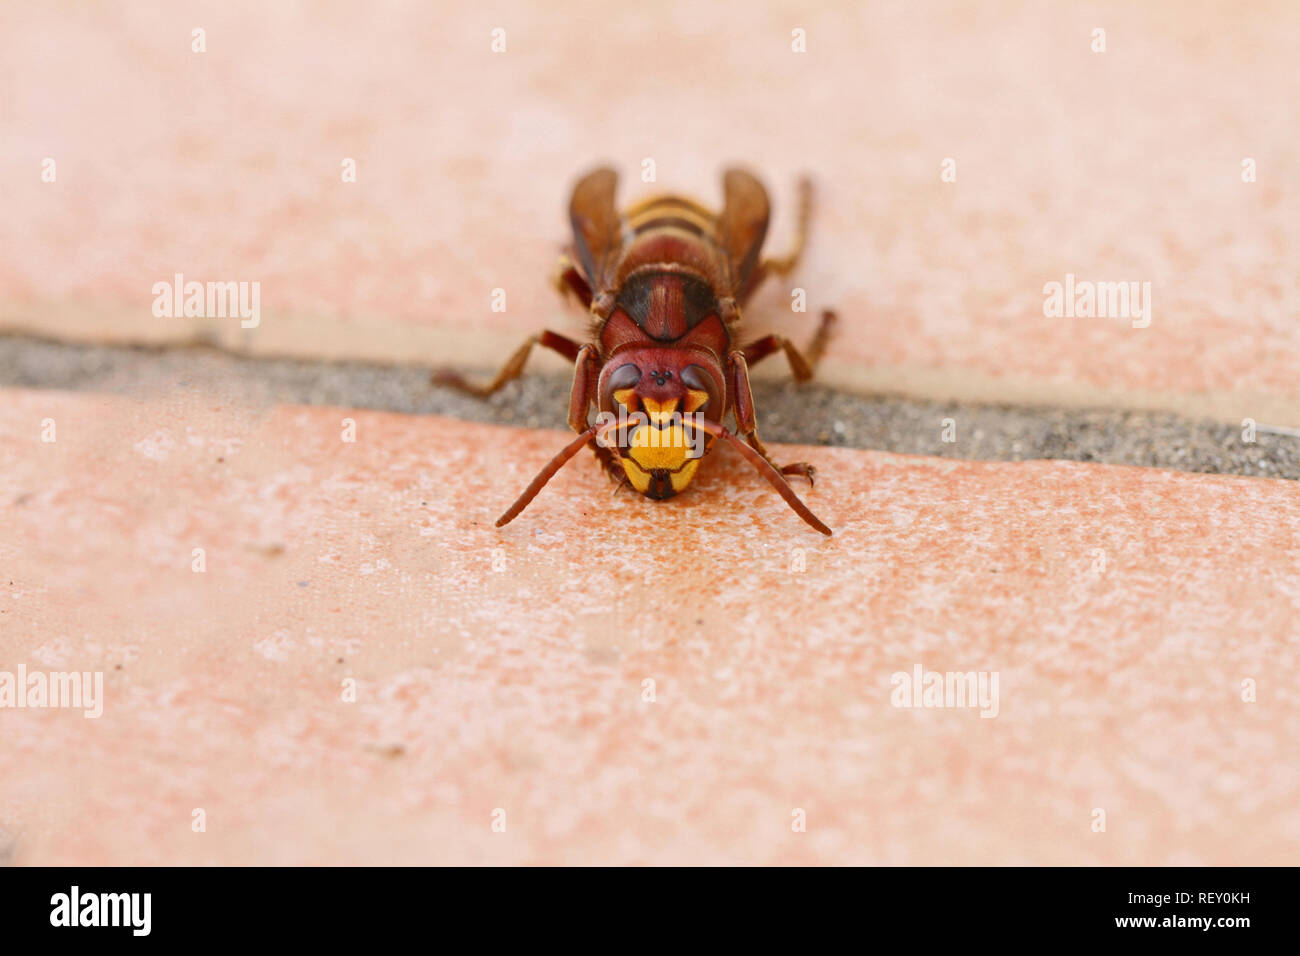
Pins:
x: 622, y: 385
x: 701, y: 390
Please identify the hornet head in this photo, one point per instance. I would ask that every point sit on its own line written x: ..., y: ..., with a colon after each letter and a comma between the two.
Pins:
x: 658, y: 396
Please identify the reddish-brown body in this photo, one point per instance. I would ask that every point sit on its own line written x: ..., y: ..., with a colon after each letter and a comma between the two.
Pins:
x: 664, y: 283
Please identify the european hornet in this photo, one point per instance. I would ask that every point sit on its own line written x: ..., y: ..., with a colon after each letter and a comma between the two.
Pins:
x: 664, y: 284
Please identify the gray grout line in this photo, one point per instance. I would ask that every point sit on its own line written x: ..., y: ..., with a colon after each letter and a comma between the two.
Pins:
x: 808, y: 414
x: 1278, y: 430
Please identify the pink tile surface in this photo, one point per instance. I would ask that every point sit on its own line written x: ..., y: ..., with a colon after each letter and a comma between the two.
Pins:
x: 522, y: 688
x: 1115, y: 166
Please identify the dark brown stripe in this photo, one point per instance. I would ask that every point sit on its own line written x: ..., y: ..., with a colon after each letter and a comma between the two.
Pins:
x: 669, y: 222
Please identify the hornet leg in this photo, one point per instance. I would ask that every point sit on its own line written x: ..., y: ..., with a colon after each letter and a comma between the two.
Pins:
x: 802, y: 364
x: 747, y: 417
x: 513, y: 368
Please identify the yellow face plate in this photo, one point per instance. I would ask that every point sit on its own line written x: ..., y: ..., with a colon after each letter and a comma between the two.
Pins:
x: 651, y: 448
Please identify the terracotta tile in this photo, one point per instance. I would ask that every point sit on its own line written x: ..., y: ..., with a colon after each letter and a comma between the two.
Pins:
x: 1120, y: 687
x: 1118, y: 166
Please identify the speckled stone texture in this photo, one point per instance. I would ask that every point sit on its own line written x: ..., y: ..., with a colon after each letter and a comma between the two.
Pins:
x: 1117, y: 166
x: 1120, y: 608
